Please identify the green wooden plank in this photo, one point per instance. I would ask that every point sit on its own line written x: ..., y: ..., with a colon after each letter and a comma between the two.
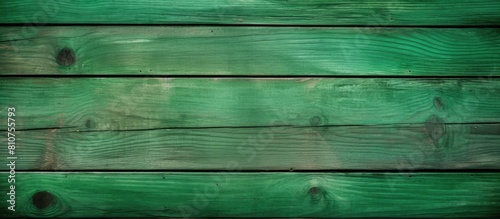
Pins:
x: 152, y: 103
x: 250, y: 51
x: 254, y: 195
x: 390, y: 147
x: 311, y: 12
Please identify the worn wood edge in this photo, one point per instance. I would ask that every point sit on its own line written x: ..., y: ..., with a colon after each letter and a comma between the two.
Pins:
x: 258, y: 12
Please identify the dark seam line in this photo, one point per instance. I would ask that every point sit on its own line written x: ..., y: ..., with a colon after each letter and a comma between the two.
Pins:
x: 254, y: 25
x: 402, y: 171
x: 255, y: 127
x: 6, y: 76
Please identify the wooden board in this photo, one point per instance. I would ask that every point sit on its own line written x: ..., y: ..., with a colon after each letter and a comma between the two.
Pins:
x: 292, y: 51
x: 255, y: 194
x: 391, y: 147
x: 83, y: 104
x: 290, y: 12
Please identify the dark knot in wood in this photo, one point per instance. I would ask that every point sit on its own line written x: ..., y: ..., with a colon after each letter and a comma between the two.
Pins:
x: 438, y: 103
x: 317, y: 195
x: 89, y: 123
x: 66, y: 57
x: 314, y: 190
x: 43, y: 199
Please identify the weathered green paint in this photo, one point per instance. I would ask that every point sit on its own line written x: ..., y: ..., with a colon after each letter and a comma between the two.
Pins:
x: 151, y: 103
x: 214, y: 125
x: 387, y: 147
x: 255, y: 195
x: 265, y: 124
x: 290, y: 12
x: 251, y: 51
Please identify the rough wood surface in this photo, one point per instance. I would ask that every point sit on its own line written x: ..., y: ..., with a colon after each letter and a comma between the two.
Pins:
x: 226, y: 50
x: 391, y: 147
x: 167, y: 103
x: 289, y: 12
x: 256, y: 195
x: 215, y: 146
x: 264, y: 124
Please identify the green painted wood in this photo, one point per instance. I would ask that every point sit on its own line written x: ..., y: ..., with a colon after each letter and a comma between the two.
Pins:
x: 255, y: 194
x: 263, y: 124
x: 312, y: 12
x: 81, y: 104
x: 250, y: 51
x: 390, y: 147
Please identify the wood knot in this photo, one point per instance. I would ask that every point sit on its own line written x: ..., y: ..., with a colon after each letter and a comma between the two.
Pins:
x: 89, y: 123
x: 43, y: 199
x: 66, y: 57
x: 435, y: 128
x: 316, y: 194
x: 315, y: 121
x: 314, y: 190
x: 438, y: 103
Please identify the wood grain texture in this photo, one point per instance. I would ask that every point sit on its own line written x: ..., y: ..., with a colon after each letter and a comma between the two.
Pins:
x: 290, y: 12
x: 167, y: 103
x: 250, y: 51
x: 391, y: 147
x: 256, y: 195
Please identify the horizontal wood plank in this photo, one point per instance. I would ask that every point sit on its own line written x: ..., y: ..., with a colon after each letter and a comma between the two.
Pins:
x: 202, y: 50
x: 93, y: 104
x: 391, y: 147
x: 254, y: 195
x: 263, y: 124
x: 290, y: 12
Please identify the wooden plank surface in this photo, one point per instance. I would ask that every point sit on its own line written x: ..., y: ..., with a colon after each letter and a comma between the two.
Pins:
x: 61, y: 194
x: 390, y: 147
x: 220, y: 125
x: 83, y: 104
x: 263, y: 124
x: 292, y: 51
x: 290, y: 12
